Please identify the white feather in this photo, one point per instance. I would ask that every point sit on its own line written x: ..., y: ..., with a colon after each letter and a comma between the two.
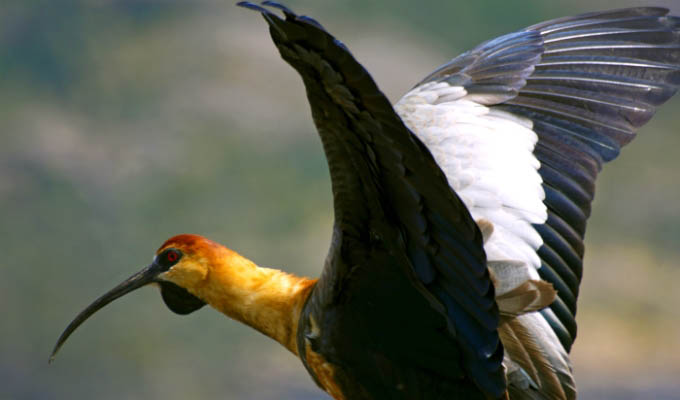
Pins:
x: 487, y: 156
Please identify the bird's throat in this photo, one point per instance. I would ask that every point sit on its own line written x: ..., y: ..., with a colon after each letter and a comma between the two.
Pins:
x: 266, y: 299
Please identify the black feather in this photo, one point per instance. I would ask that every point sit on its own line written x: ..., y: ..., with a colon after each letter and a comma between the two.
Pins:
x: 178, y: 299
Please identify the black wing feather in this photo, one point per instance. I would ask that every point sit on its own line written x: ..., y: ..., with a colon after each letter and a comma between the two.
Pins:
x: 387, y: 187
x: 497, y: 67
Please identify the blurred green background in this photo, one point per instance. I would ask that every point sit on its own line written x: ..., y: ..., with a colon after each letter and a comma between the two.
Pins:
x: 125, y: 122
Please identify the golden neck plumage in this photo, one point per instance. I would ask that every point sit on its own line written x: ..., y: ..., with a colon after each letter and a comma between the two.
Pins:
x: 268, y: 300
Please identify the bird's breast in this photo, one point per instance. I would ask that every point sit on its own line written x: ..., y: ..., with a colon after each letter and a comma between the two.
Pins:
x: 323, y: 371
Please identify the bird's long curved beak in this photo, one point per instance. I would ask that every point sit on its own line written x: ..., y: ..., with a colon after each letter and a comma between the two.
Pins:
x: 141, y: 278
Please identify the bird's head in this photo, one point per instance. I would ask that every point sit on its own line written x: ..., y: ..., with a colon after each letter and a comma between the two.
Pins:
x: 180, y: 267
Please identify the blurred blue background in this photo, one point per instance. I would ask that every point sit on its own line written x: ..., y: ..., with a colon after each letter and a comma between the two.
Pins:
x: 125, y: 122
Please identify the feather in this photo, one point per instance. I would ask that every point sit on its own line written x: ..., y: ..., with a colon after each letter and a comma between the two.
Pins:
x: 532, y: 295
x: 539, y: 358
x: 486, y: 227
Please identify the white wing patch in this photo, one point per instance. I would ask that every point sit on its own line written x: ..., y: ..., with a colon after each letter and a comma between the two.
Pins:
x: 487, y: 156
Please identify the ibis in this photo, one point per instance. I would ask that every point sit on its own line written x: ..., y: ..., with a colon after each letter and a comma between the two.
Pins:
x: 460, y: 211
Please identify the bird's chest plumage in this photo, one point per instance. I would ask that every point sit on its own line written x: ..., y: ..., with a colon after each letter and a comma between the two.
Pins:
x: 346, y: 377
x: 321, y: 351
x: 325, y: 374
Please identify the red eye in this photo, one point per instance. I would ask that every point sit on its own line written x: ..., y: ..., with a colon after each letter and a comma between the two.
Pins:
x: 172, y: 257
x: 168, y: 258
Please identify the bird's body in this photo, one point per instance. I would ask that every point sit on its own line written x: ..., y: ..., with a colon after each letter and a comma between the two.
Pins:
x: 457, y: 247
x: 355, y: 354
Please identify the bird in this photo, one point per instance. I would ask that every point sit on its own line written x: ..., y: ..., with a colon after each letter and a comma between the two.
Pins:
x: 460, y: 211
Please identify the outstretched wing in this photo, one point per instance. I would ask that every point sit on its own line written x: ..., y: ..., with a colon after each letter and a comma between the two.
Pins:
x: 522, y: 124
x: 390, y: 196
x: 601, y: 77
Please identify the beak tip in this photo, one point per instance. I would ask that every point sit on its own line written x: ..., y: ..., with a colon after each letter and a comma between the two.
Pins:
x: 141, y: 278
x: 53, y: 355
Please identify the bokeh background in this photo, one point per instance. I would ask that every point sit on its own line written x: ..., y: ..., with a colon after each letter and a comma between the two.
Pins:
x: 125, y: 122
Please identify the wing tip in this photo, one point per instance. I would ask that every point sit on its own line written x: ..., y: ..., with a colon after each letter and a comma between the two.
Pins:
x: 288, y: 13
x: 252, y: 6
